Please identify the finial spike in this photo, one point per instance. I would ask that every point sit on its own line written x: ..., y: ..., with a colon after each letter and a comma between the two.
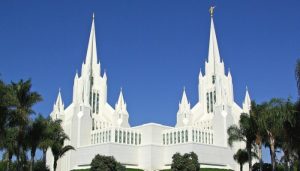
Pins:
x: 93, y: 15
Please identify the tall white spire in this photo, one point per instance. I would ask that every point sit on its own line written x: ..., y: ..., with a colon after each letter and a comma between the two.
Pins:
x: 247, y: 102
x: 59, y: 103
x: 214, y: 64
x: 213, y: 52
x: 91, y: 55
x: 184, y: 100
x: 121, y: 105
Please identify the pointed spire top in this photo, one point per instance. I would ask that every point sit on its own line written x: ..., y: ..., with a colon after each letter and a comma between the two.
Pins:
x: 93, y: 15
x: 247, y: 96
x: 200, y: 73
x: 59, y: 102
x: 213, y: 51
x: 184, y: 99
x: 91, y: 55
x: 120, y: 105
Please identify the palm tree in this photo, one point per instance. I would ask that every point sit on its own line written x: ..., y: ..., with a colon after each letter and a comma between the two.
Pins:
x: 35, y: 136
x: 275, y: 113
x: 24, y: 99
x: 10, y: 145
x: 246, y: 132
x: 48, y: 134
x: 256, y: 113
x: 295, y: 129
x: 241, y: 156
x: 57, y: 147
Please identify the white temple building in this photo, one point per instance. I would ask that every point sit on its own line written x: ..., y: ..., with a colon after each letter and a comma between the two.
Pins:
x: 96, y: 127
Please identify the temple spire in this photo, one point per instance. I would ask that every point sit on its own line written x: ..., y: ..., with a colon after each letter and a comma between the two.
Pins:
x: 121, y: 105
x: 91, y: 55
x: 213, y: 51
x: 184, y: 100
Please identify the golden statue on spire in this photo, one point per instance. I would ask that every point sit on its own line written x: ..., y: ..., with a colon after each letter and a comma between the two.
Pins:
x: 211, y: 10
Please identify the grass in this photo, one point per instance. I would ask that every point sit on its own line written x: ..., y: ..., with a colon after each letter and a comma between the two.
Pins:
x: 205, y: 169
x: 127, y: 169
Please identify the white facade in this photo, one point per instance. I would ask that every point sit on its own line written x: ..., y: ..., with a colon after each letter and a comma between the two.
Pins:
x: 95, y: 127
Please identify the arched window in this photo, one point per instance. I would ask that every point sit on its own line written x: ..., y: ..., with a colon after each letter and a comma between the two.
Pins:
x: 178, y: 136
x: 182, y: 136
x: 135, y: 138
x: 171, y: 138
x: 197, y: 136
x: 132, y: 138
x: 205, y: 138
x: 164, y: 139
x: 100, y: 137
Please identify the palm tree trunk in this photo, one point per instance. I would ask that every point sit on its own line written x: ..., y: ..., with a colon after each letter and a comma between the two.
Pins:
x: 241, y: 167
x: 8, y: 156
x: 273, y: 155
x: 260, y: 156
x: 250, y: 156
x: 44, y: 156
x: 32, y: 159
x: 298, y: 163
x: 55, y: 164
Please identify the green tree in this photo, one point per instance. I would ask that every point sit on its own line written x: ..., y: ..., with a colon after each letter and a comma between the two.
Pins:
x: 295, y: 129
x: 241, y: 156
x: 245, y: 132
x: 48, y: 136
x: 24, y: 100
x: 36, y: 133
x: 57, y: 146
x: 275, y: 113
x: 106, y: 163
x: 186, y: 162
x: 256, y: 113
x: 10, y: 145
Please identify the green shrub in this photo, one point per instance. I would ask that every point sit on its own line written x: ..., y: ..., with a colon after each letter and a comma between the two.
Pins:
x: 108, y: 163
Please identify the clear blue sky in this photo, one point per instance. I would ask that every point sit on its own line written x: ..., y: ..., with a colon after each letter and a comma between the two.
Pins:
x: 151, y: 48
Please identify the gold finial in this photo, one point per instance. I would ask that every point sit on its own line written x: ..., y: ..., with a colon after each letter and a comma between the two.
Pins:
x: 211, y: 10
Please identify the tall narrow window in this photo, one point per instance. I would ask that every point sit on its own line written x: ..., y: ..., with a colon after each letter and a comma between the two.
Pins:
x: 186, y: 136
x: 164, y: 139
x: 211, y: 102
x: 120, y: 136
x: 135, y: 138
x: 171, y: 138
x: 132, y: 138
x: 178, y: 137
x: 207, y: 102
x: 140, y: 138
x: 167, y: 138
x: 97, y: 104
x: 215, y: 96
x: 124, y: 137
x: 93, y: 124
x: 174, y: 137
x: 128, y: 137
x: 93, y: 106
x: 213, y: 79
x: 116, y: 136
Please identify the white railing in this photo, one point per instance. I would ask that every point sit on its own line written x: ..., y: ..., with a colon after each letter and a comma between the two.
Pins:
x: 117, y: 135
x: 186, y: 135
